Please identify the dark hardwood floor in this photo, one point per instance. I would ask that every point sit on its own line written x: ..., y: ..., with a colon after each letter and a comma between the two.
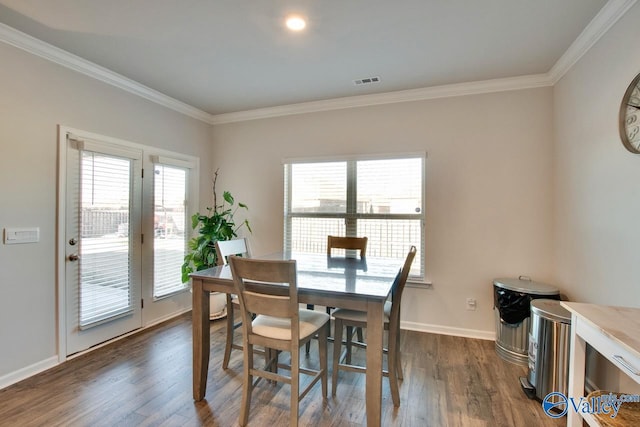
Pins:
x: 145, y: 380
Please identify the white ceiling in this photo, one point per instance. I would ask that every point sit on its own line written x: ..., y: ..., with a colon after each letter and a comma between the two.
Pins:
x: 228, y: 56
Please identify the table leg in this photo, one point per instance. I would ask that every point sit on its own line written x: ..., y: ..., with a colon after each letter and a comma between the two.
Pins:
x: 578, y: 352
x: 201, y: 339
x: 375, y: 329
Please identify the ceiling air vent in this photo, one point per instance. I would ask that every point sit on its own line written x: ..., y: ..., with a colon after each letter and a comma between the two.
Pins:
x: 366, y: 81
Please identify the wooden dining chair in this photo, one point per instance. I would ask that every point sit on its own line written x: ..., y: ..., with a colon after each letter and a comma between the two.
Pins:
x: 346, y: 243
x: 224, y: 249
x: 355, y: 318
x: 268, y: 289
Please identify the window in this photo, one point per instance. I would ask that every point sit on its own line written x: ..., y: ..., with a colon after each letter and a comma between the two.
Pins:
x: 381, y: 198
x: 169, y: 228
x: 104, y: 256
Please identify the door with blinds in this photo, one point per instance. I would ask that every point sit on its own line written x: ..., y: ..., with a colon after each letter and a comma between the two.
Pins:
x: 102, y: 242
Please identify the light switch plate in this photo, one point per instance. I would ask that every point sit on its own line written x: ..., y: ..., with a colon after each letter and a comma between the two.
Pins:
x: 14, y: 236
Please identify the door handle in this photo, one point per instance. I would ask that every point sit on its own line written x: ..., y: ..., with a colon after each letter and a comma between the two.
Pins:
x: 74, y: 257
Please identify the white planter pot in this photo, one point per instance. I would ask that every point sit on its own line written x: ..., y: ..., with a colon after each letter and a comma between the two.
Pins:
x: 217, y: 305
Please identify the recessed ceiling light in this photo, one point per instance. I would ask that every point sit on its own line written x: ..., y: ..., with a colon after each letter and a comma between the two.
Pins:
x: 295, y: 23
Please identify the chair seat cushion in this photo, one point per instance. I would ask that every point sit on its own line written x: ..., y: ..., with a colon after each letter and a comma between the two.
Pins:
x: 279, y: 328
x: 360, y: 316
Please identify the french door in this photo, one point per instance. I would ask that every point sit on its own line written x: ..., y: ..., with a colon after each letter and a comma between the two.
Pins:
x: 102, y: 242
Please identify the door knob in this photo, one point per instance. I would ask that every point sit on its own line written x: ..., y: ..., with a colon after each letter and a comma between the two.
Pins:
x: 74, y: 257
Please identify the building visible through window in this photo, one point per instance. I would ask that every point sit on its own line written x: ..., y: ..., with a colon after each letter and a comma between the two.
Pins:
x: 381, y: 198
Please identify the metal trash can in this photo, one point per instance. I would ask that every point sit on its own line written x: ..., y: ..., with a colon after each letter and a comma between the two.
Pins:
x: 512, y: 307
x: 548, y: 349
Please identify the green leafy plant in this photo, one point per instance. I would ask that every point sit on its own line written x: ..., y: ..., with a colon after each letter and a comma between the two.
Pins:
x: 218, y: 224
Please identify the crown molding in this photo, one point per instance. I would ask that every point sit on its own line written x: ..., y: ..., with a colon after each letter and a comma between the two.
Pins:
x: 56, y: 55
x: 599, y: 25
x: 434, y: 92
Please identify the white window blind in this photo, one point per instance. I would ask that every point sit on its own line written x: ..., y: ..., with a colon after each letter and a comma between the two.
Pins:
x: 381, y: 198
x: 170, y: 237
x: 104, y: 263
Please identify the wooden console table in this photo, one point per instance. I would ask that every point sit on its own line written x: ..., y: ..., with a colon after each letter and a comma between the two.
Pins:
x: 612, y: 331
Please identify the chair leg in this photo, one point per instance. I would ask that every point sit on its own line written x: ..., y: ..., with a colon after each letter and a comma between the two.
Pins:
x: 267, y: 358
x: 295, y: 386
x: 349, y: 345
x: 308, y: 345
x: 229, y: 342
x: 399, y: 359
x: 392, y: 365
x: 328, y: 309
x: 337, y: 348
x: 322, y: 346
x: 247, y: 387
x: 269, y: 354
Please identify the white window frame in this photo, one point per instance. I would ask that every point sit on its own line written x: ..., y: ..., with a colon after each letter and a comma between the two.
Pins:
x: 191, y: 167
x: 351, y: 216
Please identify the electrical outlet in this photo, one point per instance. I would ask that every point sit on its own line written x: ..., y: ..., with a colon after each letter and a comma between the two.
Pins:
x: 471, y: 304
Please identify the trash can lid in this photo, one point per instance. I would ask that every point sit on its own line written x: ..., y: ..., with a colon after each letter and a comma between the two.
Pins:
x: 526, y: 286
x: 550, y: 309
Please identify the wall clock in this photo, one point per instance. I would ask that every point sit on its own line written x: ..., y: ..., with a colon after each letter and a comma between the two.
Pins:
x: 630, y: 117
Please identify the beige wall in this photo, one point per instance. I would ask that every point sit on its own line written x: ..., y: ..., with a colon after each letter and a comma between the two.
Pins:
x: 597, y: 196
x: 36, y: 96
x: 488, y: 183
x: 532, y: 182
x: 597, y: 187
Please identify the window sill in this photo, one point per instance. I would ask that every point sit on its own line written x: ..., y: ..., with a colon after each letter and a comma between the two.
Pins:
x: 420, y: 284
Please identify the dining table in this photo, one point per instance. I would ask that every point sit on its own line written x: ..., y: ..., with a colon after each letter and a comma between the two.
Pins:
x: 342, y: 282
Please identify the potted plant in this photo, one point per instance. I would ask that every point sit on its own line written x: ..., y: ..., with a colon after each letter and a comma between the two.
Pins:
x: 218, y: 224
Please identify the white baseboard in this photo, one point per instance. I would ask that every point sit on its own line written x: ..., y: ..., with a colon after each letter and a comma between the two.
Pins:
x: 27, y: 371
x: 449, y: 330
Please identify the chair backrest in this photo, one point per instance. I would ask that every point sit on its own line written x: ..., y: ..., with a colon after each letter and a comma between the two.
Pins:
x: 354, y: 243
x: 266, y: 287
x: 398, y: 286
x: 226, y: 248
